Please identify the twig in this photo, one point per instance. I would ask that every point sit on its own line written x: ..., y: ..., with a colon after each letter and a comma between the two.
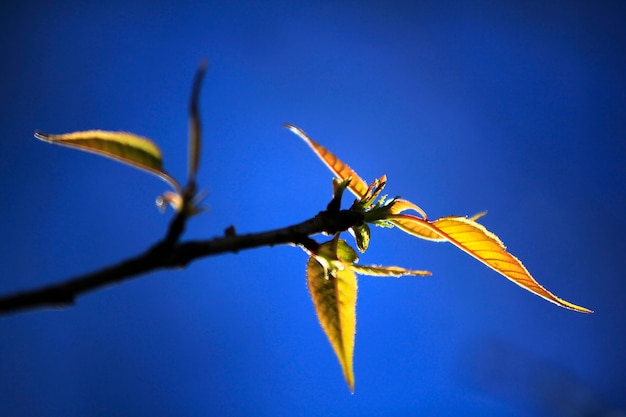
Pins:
x: 168, y: 253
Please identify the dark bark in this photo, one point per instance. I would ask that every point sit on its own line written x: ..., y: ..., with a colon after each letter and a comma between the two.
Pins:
x: 170, y: 253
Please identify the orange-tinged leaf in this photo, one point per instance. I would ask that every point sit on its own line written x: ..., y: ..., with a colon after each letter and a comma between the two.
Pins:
x: 358, y: 186
x: 399, y: 205
x: 483, y: 245
x: 374, y: 190
x: 416, y: 227
x: 419, y: 229
x: 334, y: 295
x: 125, y: 147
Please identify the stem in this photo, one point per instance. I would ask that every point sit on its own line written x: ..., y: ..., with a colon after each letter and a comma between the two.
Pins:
x: 169, y: 253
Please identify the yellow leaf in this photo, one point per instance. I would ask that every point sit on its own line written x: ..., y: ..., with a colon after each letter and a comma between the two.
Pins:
x: 358, y: 186
x: 399, y: 205
x: 416, y: 227
x: 420, y: 229
x: 387, y: 271
x: 124, y: 147
x: 483, y: 245
x: 334, y: 296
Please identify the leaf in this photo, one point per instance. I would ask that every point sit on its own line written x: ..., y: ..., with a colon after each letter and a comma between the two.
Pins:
x: 124, y: 147
x: 195, y: 129
x: 478, y: 215
x: 416, y: 227
x: 169, y: 198
x: 419, y: 229
x: 361, y: 236
x: 336, y: 252
x: 483, y: 245
x: 334, y: 295
x: 465, y: 233
x: 358, y: 186
x: 335, y: 303
x: 387, y: 271
x: 399, y: 205
x: 338, y: 188
x: 373, y: 191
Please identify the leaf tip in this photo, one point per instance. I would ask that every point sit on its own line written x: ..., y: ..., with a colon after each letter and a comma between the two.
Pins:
x: 574, y: 307
x: 42, y: 136
x: 478, y: 215
x: 293, y: 128
x: 203, y: 65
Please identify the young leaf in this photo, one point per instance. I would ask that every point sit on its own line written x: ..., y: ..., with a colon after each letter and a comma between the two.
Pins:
x: 483, y: 245
x: 373, y: 191
x: 416, y: 227
x: 358, y: 186
x: 344, y: 252
x: 399, y: 205
x: 361, y: 236
x: 195, y: 129
x: 387, y: 271
x: 420, y: 229
x: 338, y: 188
x: 334, y: 293
x: 169, y: 198
x: 333, y: 288
x: 124, y: 147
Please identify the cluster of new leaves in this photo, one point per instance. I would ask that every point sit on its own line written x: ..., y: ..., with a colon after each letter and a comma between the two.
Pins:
x: 331, y: 270
x: 332, y: 266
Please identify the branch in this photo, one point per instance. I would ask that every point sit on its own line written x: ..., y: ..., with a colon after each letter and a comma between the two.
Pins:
x: 169, y: 253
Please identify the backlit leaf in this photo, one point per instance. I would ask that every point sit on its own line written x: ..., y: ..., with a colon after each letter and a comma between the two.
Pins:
x: 420, y: 229
x: 358, y: 186
x: 333, y: 288
x: 478, y: 216
x: 374, y: 190
x: 337, y: 252
x: 399, y: 205
x: 334, y: 293
x: 483, y: 245
x: 345, y: 253
x: 387, y: 271
x: 361, y: 236
x: 416, y: 227
x: 125, y: 147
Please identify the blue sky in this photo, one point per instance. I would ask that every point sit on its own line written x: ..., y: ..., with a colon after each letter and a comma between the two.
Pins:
x: 514, y: 108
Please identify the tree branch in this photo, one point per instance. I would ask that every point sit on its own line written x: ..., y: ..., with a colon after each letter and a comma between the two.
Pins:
x: 169, y: 253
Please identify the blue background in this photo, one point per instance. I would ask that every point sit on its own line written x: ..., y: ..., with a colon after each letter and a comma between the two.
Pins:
x: 515, y: 108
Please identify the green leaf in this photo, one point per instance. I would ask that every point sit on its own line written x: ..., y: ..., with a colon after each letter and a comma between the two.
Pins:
x: 345, y: 253
x: 334, y: 293
x: 124, y: 147
x: 338, y: 188
x: 361, y: 236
